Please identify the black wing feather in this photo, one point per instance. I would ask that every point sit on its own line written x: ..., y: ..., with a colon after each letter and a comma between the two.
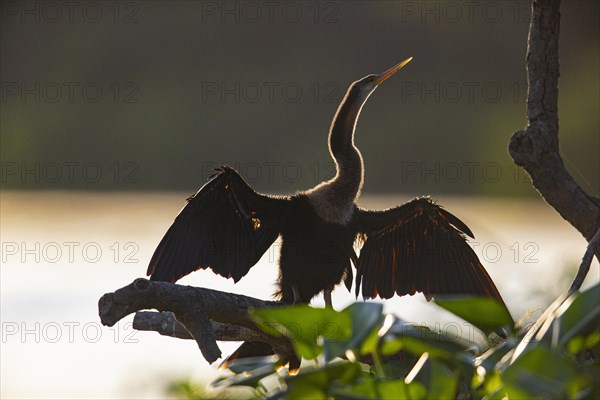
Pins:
x: 418, y: 247
x: 225, y: 226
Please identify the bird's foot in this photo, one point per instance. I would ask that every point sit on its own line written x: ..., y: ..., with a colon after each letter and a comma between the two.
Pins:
x: 297, y: 299
x: 327, y: 297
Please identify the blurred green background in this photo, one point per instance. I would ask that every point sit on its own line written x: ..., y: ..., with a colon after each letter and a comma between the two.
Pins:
x: 152, y: 95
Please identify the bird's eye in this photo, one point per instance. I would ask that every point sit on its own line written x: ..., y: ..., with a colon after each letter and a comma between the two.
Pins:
x: 371, y: 79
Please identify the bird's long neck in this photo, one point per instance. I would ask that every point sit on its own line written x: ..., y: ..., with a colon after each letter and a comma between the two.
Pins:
x: 334, y: 199
x: 348, y: 160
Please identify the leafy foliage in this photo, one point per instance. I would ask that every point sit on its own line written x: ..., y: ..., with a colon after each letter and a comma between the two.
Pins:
x: 557, y: 357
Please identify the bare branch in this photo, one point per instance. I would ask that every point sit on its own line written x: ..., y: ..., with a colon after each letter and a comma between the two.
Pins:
x: 163, y: 322
x: 584, y: 267
x: 166, y: 324
x: 536, y: 148
x: 203, y: 314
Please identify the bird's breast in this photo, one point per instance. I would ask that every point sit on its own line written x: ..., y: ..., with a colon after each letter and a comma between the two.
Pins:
x: 331, y: 205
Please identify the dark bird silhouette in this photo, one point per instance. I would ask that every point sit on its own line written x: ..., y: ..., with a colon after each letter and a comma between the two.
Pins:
x: 415, y: 247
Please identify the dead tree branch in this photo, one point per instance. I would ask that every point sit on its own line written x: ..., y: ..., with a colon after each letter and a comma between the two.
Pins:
x: 584, y: 267
x: 166, y: 324
x: 536, y: 147
x: 202, y: 314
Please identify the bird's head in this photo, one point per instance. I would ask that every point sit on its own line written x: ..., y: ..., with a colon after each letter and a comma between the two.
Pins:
x: 367, y: 85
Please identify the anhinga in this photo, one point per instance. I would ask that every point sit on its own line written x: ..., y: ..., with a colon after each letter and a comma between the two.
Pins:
x: 415, y: 247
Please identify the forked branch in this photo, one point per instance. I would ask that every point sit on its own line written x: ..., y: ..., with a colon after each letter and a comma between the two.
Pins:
x: 202, y: 314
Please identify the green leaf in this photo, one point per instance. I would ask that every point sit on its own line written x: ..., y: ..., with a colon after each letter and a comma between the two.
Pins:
x: 312, y: 382
x: 391, y: 345
x: 442, y: 383
x: 350, y: 328
x: 304, y: 325
x: 540, y: 372
x: 494, y: 387
x: 366, y: 389
x: 392, y: 390
x: 581, y: 317
x: 301, y: 392
x: 366, y: 319
x: 371, y: 388
x: 576, y: 344
x: 397, y: 369
x: 419, y: 339
x: 485, y: 313
x: 592, y: 340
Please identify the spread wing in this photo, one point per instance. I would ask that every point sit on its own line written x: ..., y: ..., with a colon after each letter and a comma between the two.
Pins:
x: 418, y: 247
x: 225, y: 226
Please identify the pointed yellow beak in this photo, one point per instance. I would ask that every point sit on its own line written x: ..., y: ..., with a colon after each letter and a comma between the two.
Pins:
x: 379, y: 80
